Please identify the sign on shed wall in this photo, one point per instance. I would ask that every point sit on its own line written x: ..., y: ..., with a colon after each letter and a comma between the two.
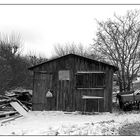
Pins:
x: 64, y: 75
x: 49, y: 94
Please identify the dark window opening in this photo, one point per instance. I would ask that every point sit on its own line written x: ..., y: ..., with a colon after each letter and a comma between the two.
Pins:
x: 90, y: 80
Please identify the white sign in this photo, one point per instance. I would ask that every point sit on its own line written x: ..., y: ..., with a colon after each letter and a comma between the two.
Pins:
x: 49, y: 94
x: 64, y: 75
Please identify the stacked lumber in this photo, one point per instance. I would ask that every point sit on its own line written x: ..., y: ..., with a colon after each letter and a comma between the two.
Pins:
x: 11, y: 108
x: 24, y: 96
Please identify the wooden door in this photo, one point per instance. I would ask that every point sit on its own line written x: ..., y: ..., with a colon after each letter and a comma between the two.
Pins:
x: 49, y: 103
x: 42, y: 83
x: 63, y: 96
x: 63, y: 91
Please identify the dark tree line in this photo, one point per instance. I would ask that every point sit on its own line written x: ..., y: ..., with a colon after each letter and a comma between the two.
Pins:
x: 14, y: 66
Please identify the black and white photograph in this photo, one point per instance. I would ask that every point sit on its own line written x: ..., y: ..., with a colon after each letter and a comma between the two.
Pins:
x: 69, y: 69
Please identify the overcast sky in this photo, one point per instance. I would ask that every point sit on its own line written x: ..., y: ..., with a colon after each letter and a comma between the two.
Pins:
x: 43, y: 26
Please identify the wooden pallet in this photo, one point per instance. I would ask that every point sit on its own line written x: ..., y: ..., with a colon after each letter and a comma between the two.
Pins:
x: 10, y: 118
x: 6, y: 114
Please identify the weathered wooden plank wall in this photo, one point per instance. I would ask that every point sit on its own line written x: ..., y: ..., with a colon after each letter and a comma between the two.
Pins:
x: 66, y: 95
x: 87, y: 66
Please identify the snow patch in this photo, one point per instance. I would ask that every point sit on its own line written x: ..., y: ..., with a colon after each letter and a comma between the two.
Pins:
x: 63, y: 123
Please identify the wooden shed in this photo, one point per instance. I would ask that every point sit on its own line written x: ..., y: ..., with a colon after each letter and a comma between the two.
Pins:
x: 73, y: 83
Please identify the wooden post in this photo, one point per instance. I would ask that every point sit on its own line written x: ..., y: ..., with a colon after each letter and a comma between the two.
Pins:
x: 85, y: 106
x: 98, y: 104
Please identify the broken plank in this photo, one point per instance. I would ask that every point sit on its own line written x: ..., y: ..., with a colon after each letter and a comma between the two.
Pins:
x: 10, y: 119
x: 6, y: 114
x: 18, y: 107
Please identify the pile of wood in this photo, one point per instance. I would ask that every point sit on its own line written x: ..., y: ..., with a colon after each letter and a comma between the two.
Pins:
x: 6, y: 116
x: 24, y: 96
x: 13, y: 105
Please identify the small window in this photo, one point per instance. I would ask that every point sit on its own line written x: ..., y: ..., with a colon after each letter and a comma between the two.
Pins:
x: 64, y: 75
x: 90, y: 80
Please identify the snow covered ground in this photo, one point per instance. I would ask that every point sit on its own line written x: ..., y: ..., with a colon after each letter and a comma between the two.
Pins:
x: 64, y: 123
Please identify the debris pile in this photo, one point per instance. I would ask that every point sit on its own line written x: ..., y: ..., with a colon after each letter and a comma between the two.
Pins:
x: 24, y: 96
x: 15, y: 103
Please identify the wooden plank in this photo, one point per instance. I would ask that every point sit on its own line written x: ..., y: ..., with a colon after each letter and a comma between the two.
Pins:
x: 71, y: 92
x: 43, y: 72
x: 11, y: 118
x: 106, y: 91
x: 54, y: 90
x: 59, y: 101
x: 110, y: 91
x: 91, y: 88
x: 60, y: 98
x: 57, y: 96
x: 98, y: 105
x: 91, y: 97
x: 19, y: 108
x: 5, y: 114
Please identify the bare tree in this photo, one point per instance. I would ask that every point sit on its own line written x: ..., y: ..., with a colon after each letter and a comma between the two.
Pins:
x: 11, y: 44
x: 35, y: 59
x: 118, y: 42
x: 68, y: 48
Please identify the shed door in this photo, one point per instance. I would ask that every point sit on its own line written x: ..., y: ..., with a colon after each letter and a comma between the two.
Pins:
x: 42, y: 84
x: 64, y: 94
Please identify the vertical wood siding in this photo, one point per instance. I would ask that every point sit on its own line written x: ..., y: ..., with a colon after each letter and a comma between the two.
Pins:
x: 66, y: 96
